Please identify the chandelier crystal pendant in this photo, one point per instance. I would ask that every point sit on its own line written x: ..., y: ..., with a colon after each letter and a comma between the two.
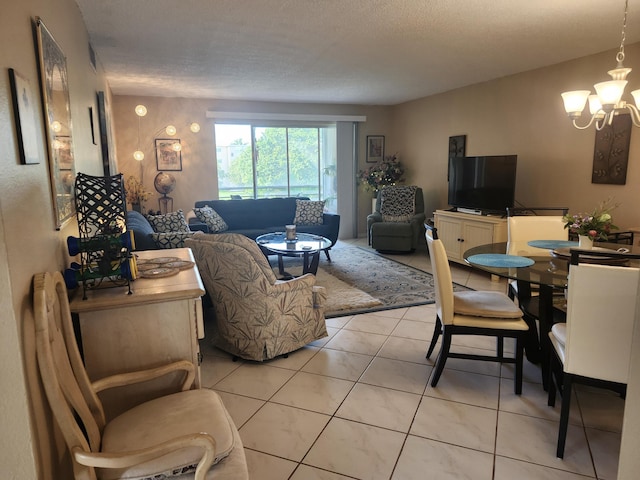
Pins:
x: 607, y: 102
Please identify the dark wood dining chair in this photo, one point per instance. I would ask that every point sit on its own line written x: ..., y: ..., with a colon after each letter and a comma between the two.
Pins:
x: 486, y: 313
x: 594, y: 345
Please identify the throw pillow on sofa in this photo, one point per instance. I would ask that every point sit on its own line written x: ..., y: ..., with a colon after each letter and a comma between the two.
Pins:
x: 172, y: 239
x: 212, y: 219
x: 168, y: 223
x: 309, y: 212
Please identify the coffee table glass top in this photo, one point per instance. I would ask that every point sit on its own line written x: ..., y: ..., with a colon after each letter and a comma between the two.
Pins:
x: 305, y: 242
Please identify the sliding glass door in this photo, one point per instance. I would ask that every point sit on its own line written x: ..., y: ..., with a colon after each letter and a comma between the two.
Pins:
x: 276, y: 161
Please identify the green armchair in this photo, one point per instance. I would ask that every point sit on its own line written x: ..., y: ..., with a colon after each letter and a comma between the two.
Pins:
x: 257, y: 316
x: 397, y: 224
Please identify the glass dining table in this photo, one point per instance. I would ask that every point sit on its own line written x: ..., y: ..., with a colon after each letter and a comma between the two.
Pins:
x: 549, y: 271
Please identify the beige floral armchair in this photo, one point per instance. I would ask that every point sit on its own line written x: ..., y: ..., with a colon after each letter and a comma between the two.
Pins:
x: 257, y: 316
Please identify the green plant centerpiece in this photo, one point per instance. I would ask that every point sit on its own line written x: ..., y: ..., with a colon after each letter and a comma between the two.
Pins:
x: 596, y: 225
x: 387, y: 172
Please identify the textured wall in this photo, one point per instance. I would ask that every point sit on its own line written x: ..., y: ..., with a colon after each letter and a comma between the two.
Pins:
x: 198, y: 179
x: 521, y: 114
x: 29, y: 242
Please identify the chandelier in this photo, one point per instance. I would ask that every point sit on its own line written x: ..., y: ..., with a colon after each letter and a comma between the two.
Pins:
x: 607, y: 102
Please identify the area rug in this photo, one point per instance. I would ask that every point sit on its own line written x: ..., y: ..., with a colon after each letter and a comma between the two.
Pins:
x: 359, y: 281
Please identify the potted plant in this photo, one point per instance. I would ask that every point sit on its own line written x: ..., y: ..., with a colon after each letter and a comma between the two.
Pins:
x: 387, y: 172
x: 136, y: 193
x: 591, y: 226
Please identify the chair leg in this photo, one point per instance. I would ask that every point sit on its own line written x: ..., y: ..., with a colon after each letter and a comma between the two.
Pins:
x: 551, y: 394
x: 564, y: 413
x: 519, y: 360
x: 326, y: 252
x: 442, y: 357
x: 500, y: 347
x: 552, y: 380
x: 434, y: 338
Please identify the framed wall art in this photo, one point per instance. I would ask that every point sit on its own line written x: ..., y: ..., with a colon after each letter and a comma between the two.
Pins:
x: 63, y: 146
x: 168, y: 157
x: 109, y: 162
x: 457, y: 146
x: 57, y: 114
x: 375, y: 148
x: 24, y: 111
x: 611, y: 152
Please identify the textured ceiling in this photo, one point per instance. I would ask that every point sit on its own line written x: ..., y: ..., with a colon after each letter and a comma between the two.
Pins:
x: 340, y: 51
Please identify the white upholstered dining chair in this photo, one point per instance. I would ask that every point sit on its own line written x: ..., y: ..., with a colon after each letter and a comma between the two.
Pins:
x: 487, y: 313
x: 189, y: 432
x: 594, y: 345
x: 521, y: 229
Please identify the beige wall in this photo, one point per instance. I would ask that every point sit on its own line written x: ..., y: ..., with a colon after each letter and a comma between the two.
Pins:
x: 198, y: 179
x: 29, y: 242
x: 521, y: 114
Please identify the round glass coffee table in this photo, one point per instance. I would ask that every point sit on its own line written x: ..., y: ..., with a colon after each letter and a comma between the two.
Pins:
x: 306, y: 245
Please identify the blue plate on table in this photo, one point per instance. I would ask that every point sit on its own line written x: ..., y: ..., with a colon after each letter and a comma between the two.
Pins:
x: 552, y: 244
x: 500, y: 260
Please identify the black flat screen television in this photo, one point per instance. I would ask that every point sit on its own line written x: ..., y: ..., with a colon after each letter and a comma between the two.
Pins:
x: 485, y: 183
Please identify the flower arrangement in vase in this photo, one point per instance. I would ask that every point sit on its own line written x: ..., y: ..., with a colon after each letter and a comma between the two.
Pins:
x: 136, y: 193
x: 387, y: 172
x: 592, y: 226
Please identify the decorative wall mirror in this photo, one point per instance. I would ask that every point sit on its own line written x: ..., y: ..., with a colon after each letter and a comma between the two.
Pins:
x: 57, y: 114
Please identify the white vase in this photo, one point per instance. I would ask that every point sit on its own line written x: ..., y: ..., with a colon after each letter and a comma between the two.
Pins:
x: 585, y: 242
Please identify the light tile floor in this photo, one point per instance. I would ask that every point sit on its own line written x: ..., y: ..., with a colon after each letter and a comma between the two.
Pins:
x: 358, y: 405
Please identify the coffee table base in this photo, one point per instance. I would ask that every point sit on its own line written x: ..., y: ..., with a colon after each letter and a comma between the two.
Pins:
x: 310, y: 261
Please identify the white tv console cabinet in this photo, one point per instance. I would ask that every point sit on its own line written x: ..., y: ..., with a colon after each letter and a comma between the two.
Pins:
x: 461, y: 231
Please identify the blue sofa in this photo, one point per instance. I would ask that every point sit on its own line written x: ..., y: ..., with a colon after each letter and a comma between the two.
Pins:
x: 254, y: 217
x: 142, y: 230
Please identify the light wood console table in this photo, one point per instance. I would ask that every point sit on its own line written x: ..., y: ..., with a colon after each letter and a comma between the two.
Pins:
x: 160, y: 322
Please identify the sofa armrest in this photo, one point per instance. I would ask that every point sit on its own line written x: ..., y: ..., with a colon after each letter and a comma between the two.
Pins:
x: 418, y: 218
x: 197, y: 226
x: 332, y: 220
x: 371, y: 219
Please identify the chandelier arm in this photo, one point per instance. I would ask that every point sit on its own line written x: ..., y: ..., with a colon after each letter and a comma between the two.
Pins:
x: 635, y: 114
x: 593, y: 118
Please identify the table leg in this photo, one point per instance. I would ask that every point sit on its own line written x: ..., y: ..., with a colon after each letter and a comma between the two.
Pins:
x: 280, y: 265
x: 310, y: 262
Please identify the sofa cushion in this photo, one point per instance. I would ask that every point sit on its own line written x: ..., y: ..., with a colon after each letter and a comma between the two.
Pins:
x: 170, y: 222
x: 308, y: 212
x: 210, y: 217
x: 172, y: 239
